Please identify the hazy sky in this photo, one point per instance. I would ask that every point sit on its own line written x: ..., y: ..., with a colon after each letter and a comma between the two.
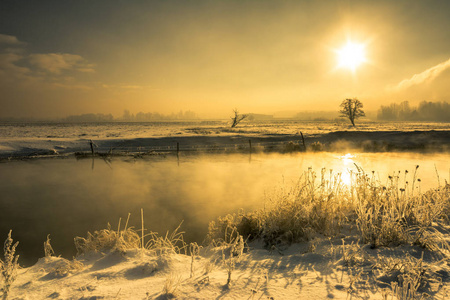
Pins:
x: 60, y: 58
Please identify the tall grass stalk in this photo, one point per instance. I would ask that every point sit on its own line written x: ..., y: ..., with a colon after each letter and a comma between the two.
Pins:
x: 8, y: 266
x: 194, y: 250
x: 437, y: 175
x: 384, y: 214
x: 171, y: 285
x: 107, y: 239
x: 48, y: 249
x: 142, y: 226
x: 127, y: 239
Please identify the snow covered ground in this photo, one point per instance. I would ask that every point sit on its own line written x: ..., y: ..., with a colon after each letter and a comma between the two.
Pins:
x: 320, y: 269
x: 50, y: 139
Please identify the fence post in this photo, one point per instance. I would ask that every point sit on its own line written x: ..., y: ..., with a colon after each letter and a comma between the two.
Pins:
x: 178, y: 154
x: 92, y: 146
x: 303, y: 141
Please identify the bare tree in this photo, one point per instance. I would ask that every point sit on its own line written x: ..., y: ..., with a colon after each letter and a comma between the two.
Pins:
x: 352, y: 109
x: 237, y: 118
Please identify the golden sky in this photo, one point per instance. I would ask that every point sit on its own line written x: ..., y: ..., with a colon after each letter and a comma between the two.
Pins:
x: 60, y: 58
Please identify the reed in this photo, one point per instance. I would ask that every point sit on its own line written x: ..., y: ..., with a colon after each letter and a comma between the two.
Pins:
x: 9, y: 265
x: 387, y: 214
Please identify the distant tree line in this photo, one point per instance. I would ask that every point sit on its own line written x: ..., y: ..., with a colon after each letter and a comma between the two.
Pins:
x: 90, y: 118
x: 145, y: 117
x: 426, y: 111
x: 129, y: 117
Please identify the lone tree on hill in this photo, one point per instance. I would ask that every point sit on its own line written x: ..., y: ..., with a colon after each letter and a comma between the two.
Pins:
x: 237, y: 118
x: 352, y: 109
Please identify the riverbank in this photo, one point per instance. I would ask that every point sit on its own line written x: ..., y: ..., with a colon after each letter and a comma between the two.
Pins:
x: 360, y: 141
x: 322, y: 239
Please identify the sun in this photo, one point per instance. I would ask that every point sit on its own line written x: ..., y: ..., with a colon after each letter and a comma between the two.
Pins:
x: 351, y: 55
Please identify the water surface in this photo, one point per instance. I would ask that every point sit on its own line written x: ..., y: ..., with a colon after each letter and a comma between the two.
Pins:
x: 68, y: 197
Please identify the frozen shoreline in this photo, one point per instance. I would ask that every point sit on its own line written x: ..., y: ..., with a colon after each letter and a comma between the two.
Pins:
x: 362, y: 141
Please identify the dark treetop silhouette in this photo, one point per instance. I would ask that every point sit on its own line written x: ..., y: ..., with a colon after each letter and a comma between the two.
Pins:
x: 352, y: 109
x: 237, y: 118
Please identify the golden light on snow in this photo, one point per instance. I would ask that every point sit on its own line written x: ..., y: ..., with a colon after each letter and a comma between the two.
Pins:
x: 351, y: 55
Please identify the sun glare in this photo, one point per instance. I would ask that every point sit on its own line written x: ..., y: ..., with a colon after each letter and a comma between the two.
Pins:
x: 351, y: 55
x: 347, y: 160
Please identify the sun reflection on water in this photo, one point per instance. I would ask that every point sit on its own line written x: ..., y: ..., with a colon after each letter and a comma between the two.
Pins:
x: 347, y: 161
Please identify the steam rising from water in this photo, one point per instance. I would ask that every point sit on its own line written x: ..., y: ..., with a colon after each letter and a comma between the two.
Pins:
x: 66, y: 198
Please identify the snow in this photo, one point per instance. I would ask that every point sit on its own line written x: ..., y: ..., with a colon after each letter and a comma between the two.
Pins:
x: 59, y: 139
x: 300, y: 271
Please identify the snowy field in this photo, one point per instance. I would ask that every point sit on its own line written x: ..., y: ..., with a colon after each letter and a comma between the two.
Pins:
x: 49, y: 139
x: 67, y: 198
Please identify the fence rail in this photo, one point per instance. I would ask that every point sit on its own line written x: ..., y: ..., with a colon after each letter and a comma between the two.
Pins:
x: 289, y: 145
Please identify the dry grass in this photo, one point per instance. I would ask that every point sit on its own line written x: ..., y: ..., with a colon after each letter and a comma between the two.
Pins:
x: 64, y: 268
x: 317, y: 204
x: 407, y: 278
x: 8, y: 266
x: 170, y: 286
x: 394, y: 214
x: 384, y: 214
x: 108, y: 239
x: 169, y: 243
x: 390, y: 214
x: 48, y: 249
x: 128, y: 239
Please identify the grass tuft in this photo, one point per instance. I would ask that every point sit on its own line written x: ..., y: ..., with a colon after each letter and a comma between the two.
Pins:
x: 108, y: 239
x: 128, y: 239
x: 8, y: 266
x: 48, y: 249
x: 387, y: 214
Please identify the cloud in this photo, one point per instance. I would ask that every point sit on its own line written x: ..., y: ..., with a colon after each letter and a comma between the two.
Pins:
x: 72, y: 86
x: 426, y: 76
x: 123, y: 86
x: 128, y: 88
x: 55, y: 63
x: 10, y: 40
x: 50, y: 70
x: 9, y: 67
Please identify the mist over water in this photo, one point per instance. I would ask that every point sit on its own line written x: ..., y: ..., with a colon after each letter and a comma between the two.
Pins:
x: 67, y: 197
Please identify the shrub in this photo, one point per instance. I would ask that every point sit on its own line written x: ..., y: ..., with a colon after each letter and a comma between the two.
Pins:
x: 317, y: 146
x: 292, y: 147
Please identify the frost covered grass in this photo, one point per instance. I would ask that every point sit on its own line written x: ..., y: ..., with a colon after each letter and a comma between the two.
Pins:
x: 389, y: 214
x: 9, y: 265
x: 128, y: 239
x: 387, y: 239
